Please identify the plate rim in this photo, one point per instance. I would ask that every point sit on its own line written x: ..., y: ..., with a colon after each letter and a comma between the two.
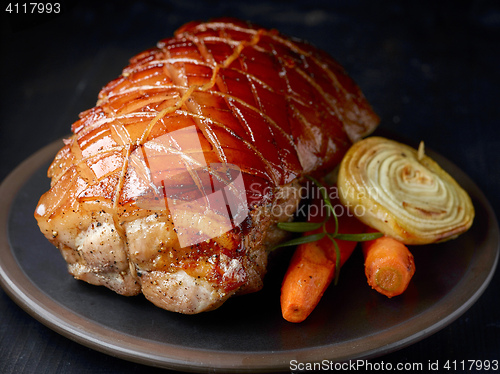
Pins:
x: 119, y: 344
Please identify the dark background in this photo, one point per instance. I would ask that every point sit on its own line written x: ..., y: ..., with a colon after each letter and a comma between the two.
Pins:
x: 429, y: 68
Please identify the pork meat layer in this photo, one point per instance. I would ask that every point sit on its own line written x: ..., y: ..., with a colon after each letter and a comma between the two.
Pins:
x: 172, y: 185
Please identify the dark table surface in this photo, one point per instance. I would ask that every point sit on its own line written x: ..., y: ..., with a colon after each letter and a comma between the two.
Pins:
x: 431, y: 70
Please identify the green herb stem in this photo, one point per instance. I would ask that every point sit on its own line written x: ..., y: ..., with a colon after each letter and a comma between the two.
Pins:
x: 311, y: 226
x: 302, y: 240
x: 299, y: 226
x: 337, y: 260
x: 359, y: 237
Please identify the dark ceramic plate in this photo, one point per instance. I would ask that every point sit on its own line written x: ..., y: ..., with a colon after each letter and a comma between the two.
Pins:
x: 247, y: 333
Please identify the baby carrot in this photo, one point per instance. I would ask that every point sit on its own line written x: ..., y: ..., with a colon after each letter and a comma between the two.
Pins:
x: 389, y: 265
x: 309, y: 274
x: 312, y: 268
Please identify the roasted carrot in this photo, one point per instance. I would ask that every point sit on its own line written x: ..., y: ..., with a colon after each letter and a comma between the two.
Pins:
x: 389, y: 265
x: 312, y: 268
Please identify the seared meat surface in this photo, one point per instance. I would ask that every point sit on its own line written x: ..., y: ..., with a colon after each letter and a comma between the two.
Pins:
x: 172, y: 185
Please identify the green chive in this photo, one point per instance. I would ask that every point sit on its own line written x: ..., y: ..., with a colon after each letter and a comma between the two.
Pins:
x: 302, y: 240
x: 359, y: 237
x: 337, y: 260
x: 299, y: 226
x: 324, y: 195
x: 310, y: 226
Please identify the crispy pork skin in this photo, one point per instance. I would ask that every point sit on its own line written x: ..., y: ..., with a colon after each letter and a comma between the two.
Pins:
x: 172, y: 185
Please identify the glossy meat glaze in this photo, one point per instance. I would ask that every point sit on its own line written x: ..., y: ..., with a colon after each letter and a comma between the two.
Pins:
x: 268, y: 108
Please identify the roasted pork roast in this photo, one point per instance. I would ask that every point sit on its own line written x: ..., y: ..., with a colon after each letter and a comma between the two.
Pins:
x: 172, y: 185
